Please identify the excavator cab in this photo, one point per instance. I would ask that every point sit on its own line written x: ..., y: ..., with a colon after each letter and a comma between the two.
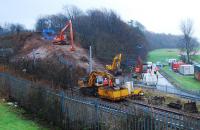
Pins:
x: 99, y: 81
x: 115, y: 67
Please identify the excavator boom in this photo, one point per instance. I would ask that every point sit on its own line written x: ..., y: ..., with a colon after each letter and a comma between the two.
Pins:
x: 115, y: 66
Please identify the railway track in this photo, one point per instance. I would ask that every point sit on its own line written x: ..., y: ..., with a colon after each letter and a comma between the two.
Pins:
x: 129, y: 103
x: 172, y: 118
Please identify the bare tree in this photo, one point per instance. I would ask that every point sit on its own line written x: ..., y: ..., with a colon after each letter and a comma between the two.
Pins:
x: 1, y: 30
x: 55, y: 22
x: 41, y: 23
x: 72, y: 12
x: 187, y: 30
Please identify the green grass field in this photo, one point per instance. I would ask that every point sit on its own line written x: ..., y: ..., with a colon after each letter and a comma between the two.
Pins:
x: 186, y: 82
x: 196, y: 58
x: 11, y: 119
x: 162, y: 54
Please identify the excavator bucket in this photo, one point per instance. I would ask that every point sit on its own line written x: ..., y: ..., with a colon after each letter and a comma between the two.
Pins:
x: 72, y: 48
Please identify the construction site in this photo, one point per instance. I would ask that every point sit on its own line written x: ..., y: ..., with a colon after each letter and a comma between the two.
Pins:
x: 69, y: 85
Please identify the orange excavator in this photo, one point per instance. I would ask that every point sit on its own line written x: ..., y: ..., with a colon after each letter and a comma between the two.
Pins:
x: 61, y: 38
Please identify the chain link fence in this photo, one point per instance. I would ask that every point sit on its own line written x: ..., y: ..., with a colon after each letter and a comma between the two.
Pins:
x: 78, y: 113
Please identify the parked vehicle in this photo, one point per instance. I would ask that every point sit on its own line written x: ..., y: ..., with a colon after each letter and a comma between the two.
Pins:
x: 150, y: 79
x: 176, y: 65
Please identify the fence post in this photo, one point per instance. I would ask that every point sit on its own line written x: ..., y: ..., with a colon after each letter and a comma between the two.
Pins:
x: 171, y: 120
x: 96, y: 105
x: 62, y: 101
x: 166, y: 121
x: 62, y: 105
x: 145, y: 117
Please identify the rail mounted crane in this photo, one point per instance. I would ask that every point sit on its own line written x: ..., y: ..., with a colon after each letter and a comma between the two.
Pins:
x: 115, y: 67
x: 61, y: 38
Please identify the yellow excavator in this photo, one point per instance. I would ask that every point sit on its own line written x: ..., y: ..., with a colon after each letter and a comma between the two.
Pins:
x: 115, y: 67
x: 90, y: 84
x: 93, y: 86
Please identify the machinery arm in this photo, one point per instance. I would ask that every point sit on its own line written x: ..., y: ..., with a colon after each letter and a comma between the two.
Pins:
x: 71, y: 36
x: 65, y: 28
x: 116, y: 62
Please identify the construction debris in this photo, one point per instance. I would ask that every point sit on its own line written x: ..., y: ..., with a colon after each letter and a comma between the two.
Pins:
x: 190, y: 107
x: 175, y: 105
x: 156, y: 100
x: 34, y: 46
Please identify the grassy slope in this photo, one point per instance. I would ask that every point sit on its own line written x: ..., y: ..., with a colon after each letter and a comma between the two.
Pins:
x: 186, y: 82
x: 10, y: 119
x: 162, y: 54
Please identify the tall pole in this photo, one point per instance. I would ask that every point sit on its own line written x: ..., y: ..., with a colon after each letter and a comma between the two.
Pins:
x: 34, y: 57
x: 90, y: 61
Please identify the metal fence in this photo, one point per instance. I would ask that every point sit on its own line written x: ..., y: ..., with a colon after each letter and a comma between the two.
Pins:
x: 171, y: 90
x: 69, y: 111
x: 177, y: 84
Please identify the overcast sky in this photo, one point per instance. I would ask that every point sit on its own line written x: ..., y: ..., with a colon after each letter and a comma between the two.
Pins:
x: 163, y: 16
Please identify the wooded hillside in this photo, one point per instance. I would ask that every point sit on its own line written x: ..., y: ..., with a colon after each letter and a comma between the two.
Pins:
x: 103, y: 29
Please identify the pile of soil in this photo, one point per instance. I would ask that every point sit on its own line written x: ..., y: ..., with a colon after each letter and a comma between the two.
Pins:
x: 32, y: 45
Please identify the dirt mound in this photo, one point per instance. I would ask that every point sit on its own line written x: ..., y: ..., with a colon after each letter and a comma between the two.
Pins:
x: 32, y: 45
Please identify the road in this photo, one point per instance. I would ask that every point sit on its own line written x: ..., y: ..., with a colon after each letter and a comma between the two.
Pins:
x: 165, y: 86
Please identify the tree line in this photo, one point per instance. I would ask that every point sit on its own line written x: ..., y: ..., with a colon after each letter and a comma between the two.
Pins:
x: 161, y: 40
x: 11, y: 28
